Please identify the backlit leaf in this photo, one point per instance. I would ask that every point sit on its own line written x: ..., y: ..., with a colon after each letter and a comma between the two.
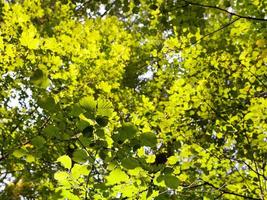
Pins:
x: 117, y: 176
x: 65, y: 161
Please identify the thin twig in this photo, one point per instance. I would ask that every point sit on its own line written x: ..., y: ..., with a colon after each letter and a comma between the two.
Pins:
x: 215, y: 31
x: 256, y: 76
x: 256, y: 167
x: 226, y: 11
x: 228, y: 192
x: 108, y: 9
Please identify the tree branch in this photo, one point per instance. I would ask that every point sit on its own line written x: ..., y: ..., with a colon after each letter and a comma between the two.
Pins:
x: 229, y: 192
x: 88, y: 179
x: 5, y: 155
x: 256, y: 167
x: 226, y: 11
x: 108, y: 9
x: 217, y: 30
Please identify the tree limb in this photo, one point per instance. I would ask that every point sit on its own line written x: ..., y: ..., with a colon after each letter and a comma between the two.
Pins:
x: 226, y: 11
x: 229, y: 192
x: 217, y: 30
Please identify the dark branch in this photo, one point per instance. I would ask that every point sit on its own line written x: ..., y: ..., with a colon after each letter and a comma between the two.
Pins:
x: 229, y: 192
x: 217, y: 30
x: 108, y: 9
x: 226, y: 11
x: 256, y: 77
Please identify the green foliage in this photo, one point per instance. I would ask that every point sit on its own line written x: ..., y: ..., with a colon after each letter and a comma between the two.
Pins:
x: 171, y: 181
x: 88, y: 131
x: 129, y: 163
x: 148, y: 139
x: 65, y: 161
x: 133, y: 99
x: 102, y: 120
x: 80, y: 155
x: 127, y: 131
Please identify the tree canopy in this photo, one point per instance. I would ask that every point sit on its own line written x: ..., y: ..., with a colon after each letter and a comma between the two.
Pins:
x: 133, y: 99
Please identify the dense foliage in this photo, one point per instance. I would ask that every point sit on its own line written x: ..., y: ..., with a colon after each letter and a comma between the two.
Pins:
x: 133, y: 99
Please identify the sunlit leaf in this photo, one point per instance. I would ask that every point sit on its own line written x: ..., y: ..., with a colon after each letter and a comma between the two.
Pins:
x: 79, y: 170
x: 88, y: 103
x: 104, y: 108
x: 19, y: 153
x: 65, y: 161
x: 117, y: 176
x: 60, y: 175
x: 172, y: 160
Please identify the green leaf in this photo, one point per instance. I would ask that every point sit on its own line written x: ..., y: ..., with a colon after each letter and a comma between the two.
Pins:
x: 79, y: 170
x: 88, y: 103
x: 104, y: 108
x: 117, y: 176
x: 51, y: 131
x: 129, y: 163
x: 48, y: 103
x: 88, y: 131
x: 163, y: 196
x: 19, y: 153
x: 100, y: 133
x: 148, y: 139
x: 87, y: 119
x: 102, y: 120
x: 39, y: 78
x: 30, y: 158
x: 127, y: 131
x: 171, y: 181
x: 61, y: 176
x: 150, y: 158
x: 69, y: 195
x: 86, y: 141
x: 76, y: 110
x: 172, y: 160
x: 80, y: 155
x: 38, y: 141
x: 65, y: 161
